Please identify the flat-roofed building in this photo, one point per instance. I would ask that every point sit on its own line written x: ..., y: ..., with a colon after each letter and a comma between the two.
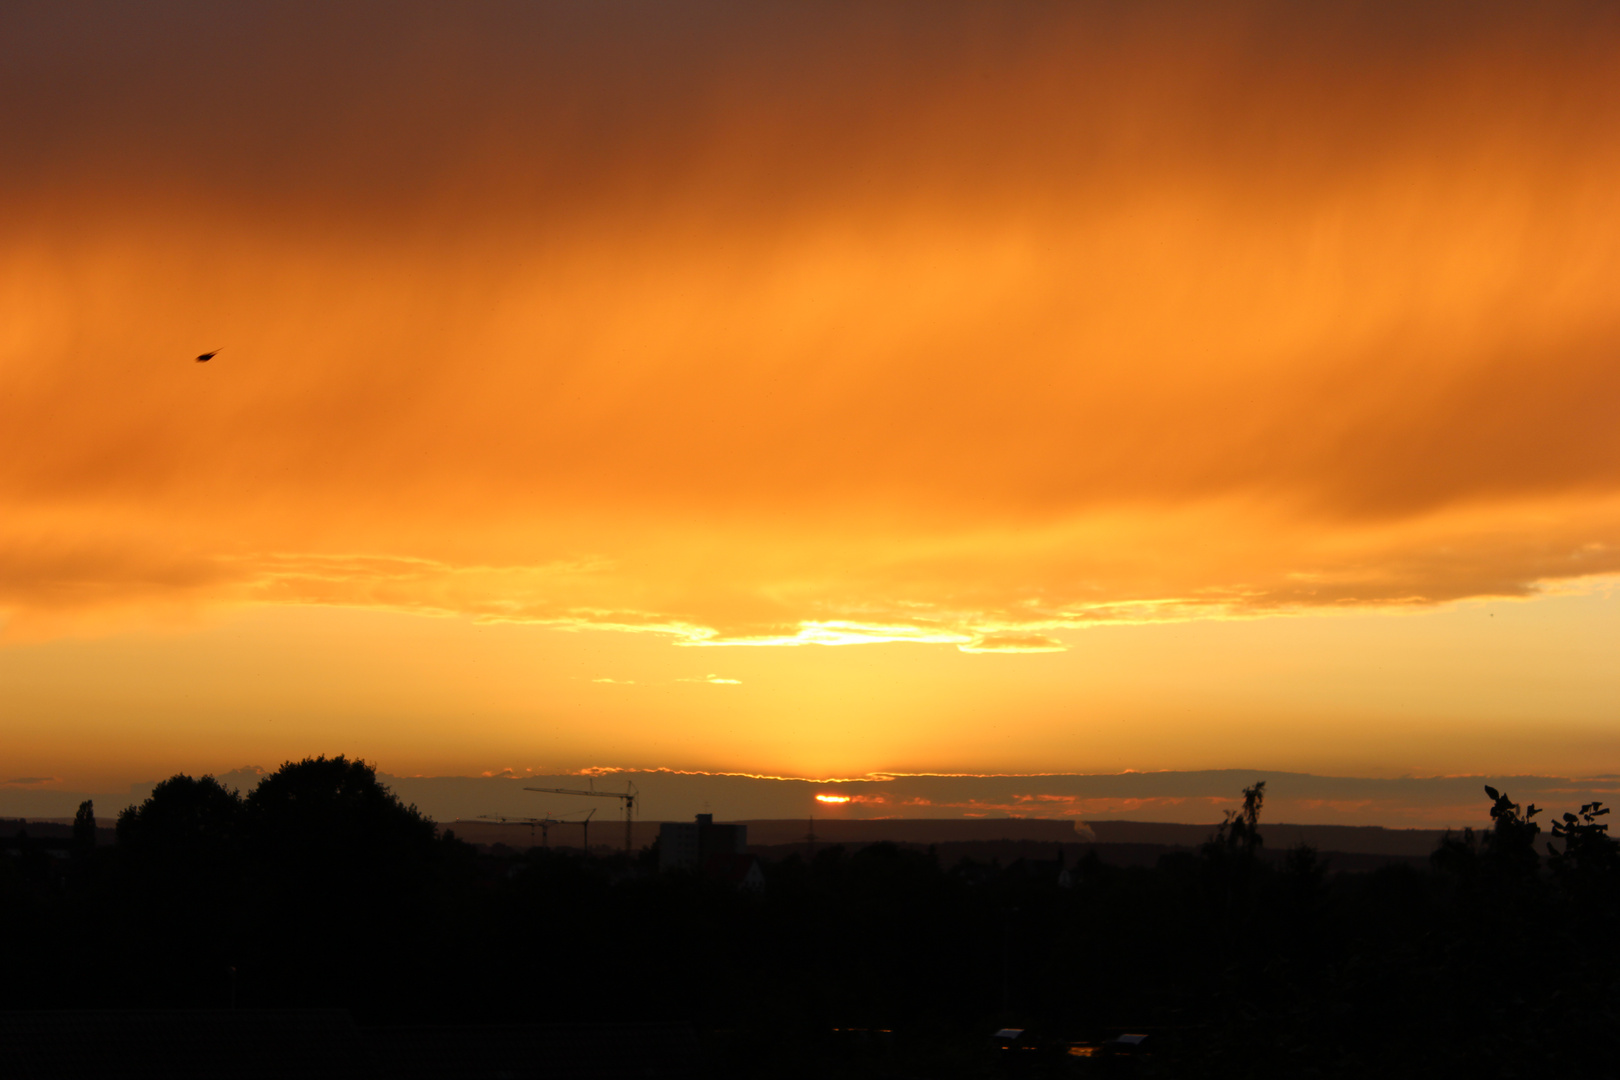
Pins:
x: 682, y: 845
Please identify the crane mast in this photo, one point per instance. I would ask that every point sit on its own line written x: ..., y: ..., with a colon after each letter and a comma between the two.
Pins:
x: 628, y: 797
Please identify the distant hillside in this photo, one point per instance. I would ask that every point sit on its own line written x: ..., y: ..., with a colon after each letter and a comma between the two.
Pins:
x: 1153, y: 836
x: 769, y: 832
x: 1358, y: 839
x: 917, y: 830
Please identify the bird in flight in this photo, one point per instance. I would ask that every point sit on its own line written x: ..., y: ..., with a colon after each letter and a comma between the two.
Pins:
x: 207, y: 356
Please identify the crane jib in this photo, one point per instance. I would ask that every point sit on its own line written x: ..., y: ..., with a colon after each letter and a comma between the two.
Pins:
x: 628, y: 797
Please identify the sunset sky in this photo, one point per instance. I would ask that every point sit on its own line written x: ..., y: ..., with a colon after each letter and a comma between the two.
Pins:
x: 809, y: 389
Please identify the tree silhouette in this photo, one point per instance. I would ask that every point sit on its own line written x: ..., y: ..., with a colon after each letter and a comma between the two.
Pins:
x: 1240, y: 832
x: 84, y: 829
x: 331, y: 816
x: 177, y: 869
x: 339, y: 873
x: 183, y: 823
x: 1229, y: 855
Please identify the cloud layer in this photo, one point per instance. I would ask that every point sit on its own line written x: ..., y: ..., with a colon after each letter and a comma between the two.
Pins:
x: 771, y: 325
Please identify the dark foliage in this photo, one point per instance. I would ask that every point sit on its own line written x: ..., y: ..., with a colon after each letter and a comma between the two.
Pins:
x: 319, y: 888
x: 84, y: 829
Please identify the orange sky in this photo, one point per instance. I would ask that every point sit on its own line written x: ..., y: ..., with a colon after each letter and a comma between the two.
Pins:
x: 560, y: 341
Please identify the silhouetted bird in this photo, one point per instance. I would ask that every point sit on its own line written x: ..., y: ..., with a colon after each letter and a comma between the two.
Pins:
x: 207, y: 356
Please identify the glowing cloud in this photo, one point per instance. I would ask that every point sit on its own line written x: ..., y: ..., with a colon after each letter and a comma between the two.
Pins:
x: 1254, y: 333
x: 1011, y: 643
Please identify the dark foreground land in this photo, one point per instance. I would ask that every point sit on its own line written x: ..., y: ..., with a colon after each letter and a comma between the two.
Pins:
x: 318, y: 890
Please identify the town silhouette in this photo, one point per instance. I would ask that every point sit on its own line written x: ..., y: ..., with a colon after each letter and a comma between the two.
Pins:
x: 318, y: 910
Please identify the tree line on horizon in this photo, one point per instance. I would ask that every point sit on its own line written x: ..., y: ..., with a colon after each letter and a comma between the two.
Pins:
x: 320, y: 888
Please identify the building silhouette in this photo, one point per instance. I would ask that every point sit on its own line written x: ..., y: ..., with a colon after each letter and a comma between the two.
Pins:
x: 692, y: 846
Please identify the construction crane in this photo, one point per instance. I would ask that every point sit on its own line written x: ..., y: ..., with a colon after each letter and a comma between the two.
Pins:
x: 628, y: 795
x: 545, y: 824
x: 585, y: 828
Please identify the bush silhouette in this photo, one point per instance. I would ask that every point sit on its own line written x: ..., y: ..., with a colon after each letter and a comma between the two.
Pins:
x: 1511, y: 844
x: 1589, y: 851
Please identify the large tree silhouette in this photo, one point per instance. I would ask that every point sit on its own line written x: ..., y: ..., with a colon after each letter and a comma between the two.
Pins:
x: 185, y: 826
x: 340, y: 882
x: 331, y: 817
